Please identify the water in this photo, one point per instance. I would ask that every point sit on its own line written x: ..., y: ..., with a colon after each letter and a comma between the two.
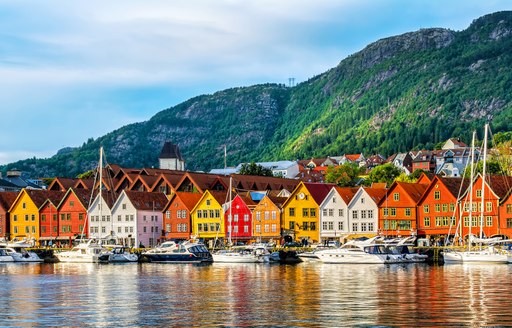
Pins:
x: 302, y: 295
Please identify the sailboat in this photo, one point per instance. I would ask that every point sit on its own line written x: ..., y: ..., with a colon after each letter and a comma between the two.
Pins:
x: 243, y: 254
x: 487, y: 253
x: 91, y: 250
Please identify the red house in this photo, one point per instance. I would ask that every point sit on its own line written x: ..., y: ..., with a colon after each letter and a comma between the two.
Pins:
x: 177, y: 221
x: 48, y: 218
x: 397, y: 210
x: 238, y: 219
x: 73, y: 214
x: 505, y: 212
x: 495, y: 189
x: 438, y: 208
x: 7, y: 198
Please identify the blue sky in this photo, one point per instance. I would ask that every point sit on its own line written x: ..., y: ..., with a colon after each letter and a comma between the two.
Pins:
x: 71, y: 70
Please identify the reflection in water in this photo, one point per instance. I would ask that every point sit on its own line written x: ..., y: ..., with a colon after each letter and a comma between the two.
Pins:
x: 303, y: 295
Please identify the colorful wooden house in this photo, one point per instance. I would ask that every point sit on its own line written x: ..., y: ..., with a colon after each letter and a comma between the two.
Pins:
x: 99, y: 214
x: 7, y: 198
x: 208, y: 217
x: 238, y: 219
x: 438, y: 208
x: 177, y: 215
x: 505, y: 212
x: 24, y: 212
x: 49, y: 220
x: 72, y: 215
x: 334, y: 214
x: 300, y: 212
x: 266, y: 218
x: 397, y: 210
x: 487, y: 196
x: 137, y: 218
x: 363, y: 211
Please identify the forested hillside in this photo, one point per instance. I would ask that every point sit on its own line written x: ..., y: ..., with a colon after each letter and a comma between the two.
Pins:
x: 404, y: 92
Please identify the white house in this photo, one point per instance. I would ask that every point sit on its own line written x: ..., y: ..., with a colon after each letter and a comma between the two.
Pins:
x: 99, y: 214
x: 137, y: 217
x: 334, y: 214
x: 364, y: 212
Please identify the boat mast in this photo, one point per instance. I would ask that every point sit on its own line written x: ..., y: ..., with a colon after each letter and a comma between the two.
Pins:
x: 230, y: 216
x: 471, y: 189
x: 100, y: 205
x: 483, y: 183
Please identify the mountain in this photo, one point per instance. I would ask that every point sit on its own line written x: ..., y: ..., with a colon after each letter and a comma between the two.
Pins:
x: 404, y: 92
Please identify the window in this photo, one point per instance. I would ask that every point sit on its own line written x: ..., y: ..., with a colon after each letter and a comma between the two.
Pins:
x: 119, y: 229
x: 363, y: 214
x: 437, y: 207
x: 15, y: 218
x: 445, y: 207
x: 26, y: 217
x: 331, y: 212
x: 258, y: 216
x: 236, y: 218
x: 305, y: 226
x: 437, y: 195
x: 340, y: 212
x: 385, y: 211
x: 312, y: 212
x: 292, y: 225
x: 23, y: 205
x: 407, y: 211
x: 291, y: 211
x: 479, y: 193
x: 312, y: 226
x: 324, y: 212
x: 246, y: 228
x: 393, y: 211
x: 509, y: 209
x: 370, y: 214
x: 144, y: 229
x: 305, y: 212
x: 446, y: 220
x: 274, y: 215
x: 488, y: 206
x: 267, y: 215
x: 340, y: 225
x: 354, y: 226
x: 119, y: 218
x: 363, y: 226
x: 207, y: 202
x: 274, y: 227
x: 167, y: 214
x: 396, y: 197
x: 71, y: 203
x: 426, y: 209
x: 362, y: 200
x: 452, y: 207
x: 246, y: 217
x: 370, y: 226
x: 439, y: 221
x: 217, y: 213
x: 330, y: 225
x: 124, y: 206
x: 43, y: 217
x: 509, y: 222
x: 488, y: 221
x: 354, y: 214
x: 258, y: 228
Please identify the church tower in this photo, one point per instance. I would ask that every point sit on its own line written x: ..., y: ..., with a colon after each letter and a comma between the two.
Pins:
x: 170, y: 157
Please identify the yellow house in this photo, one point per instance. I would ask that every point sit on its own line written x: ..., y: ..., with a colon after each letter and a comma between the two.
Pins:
x: 208, y: 217
x: 24, y: 214
x: 266, y: 218
x: 300, y: 217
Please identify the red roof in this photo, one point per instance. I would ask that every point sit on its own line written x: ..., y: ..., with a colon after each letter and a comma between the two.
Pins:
x: 319, y: 190
x: 346, y: 193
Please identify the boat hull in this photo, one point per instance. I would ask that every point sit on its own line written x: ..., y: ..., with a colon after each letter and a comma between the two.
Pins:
x: 177, y: 258
x: 474, y: 257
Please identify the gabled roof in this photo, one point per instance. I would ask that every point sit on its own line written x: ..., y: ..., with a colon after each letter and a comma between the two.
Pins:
x: 353, y: 157
x: 147, y: 201
x: 39, y: 197
x: 319, y: 190
x: 455, y: 186
x: 201, y: 181
x: 501, y: 185
x: 83, y: 196
x: 376, y: 194
x: 7, y: 198
x: 146, y: 180
x: 170, y: 150
x: 84, y: 184
x: 62, y: 184
x: 413, y: 190
x: 188, y: 199
x: 346, y: 193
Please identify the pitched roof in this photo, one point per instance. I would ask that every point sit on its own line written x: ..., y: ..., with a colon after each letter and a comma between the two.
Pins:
x: 454, y: 185
x: 62, y: 184
x: 376, y: 194
x: 501, y: 185
x: 319, y: 190
x: 39, y: 197
x: 189, y: 199
x: 414, y: 190
x: 147, y: 201
x: 346, y: 193
x: 7, y: 198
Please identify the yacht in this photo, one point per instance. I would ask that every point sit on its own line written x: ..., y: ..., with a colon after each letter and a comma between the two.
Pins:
x: 85, y: 252
x: 18, y: 251
x: 172, y: 252
x: 367, y: 252
x: 246, y: 254
x: 489, y: 254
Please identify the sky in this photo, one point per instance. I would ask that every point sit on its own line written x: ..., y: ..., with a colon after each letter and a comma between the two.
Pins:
x: 74, y: 70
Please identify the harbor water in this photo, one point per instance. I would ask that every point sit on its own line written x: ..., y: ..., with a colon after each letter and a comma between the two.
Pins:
x: 308, y: 294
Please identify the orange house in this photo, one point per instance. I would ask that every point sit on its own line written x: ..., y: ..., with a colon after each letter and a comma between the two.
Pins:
x: 487, y: 196
x: 266, y: 218
x: 177, y: 221
x: 438, y: 209
x: 397, y: 210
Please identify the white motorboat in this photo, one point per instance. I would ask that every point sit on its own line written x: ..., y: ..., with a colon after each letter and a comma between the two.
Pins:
x: 403, y: 247
x: 19, y: 253
x: 119, y: 254
x: 363, y: 252
x: 246, y: 254
x: 4, y: 256
x: 88, y: 252
x: 186, y: 252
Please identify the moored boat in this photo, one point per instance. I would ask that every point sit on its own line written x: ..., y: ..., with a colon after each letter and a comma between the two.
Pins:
x: 18, y: 251
x: 186, y: 252
x: 119, y: 254
x: 246, y: 254
x: 5, y: 257
x: 85, y: 252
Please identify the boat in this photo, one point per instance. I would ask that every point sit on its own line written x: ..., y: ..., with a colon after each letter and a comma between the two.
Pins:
x: 371, y: 251
x: 244, y: 254
x: 285, y: 257
x: 18, y: 251
x: 484, y: 254
x: 185, y: 252
x: 403, y: 247
x: 119, y: 254
x: 84, y: 252
x: 4, y: 256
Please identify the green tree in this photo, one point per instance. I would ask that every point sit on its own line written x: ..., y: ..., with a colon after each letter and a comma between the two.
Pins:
x: 492, y: 167
x: 255, y: 169
x: 384, y: 173
x: 345, y: 175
